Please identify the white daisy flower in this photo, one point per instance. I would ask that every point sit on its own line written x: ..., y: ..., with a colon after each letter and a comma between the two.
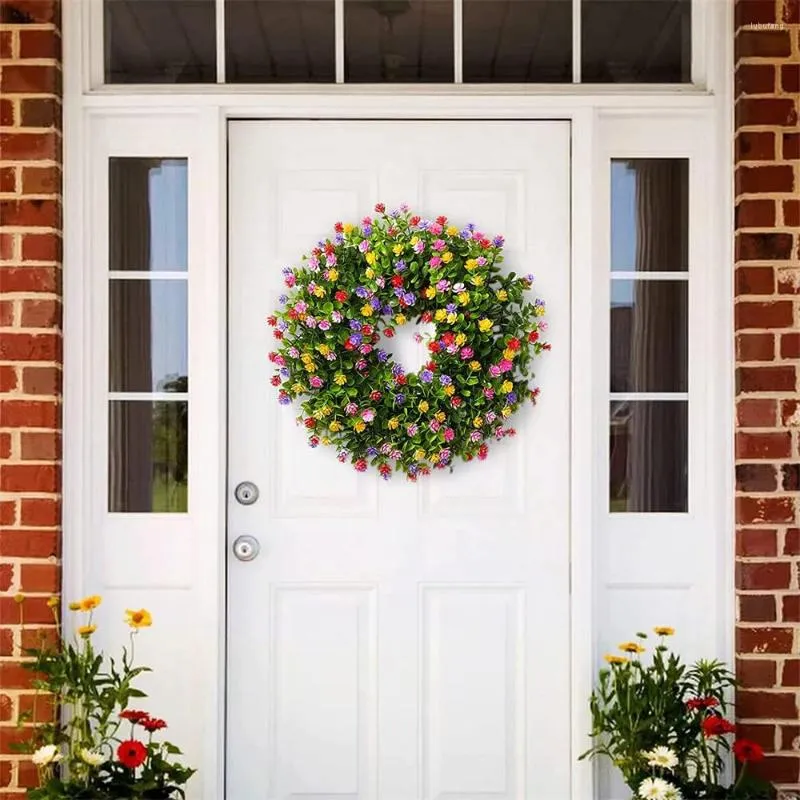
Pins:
x: 654, y: 789
x: 47, y: 754
x: 661, y: 757
x: 92, y: 757
x: 673, y: 793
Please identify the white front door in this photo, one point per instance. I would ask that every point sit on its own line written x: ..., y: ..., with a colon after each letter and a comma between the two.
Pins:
x: 394, y: 640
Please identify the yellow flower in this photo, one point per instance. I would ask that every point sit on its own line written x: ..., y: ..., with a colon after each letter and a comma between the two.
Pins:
x: 397, y: 249
x: 423, y: 406
x: 325, y: 440
x: 400, y: 319
x: 612, y: 659
x: 451, y: 230
x: 474, y: 365
x: 663, y: 630
x: 318, y: 414
x: 506, y: 387
x: 370, y: 258
x: 369, y: 272
x: 366, y: 310
x: 19, y: 598
x: 86, y: 630
x: 394, y: 423
x: 434, y: 458
x: 326, y: 411
x: 450, y: 390
x: 447, y: 256
x: 477, y: 280
x: 506, y: 412
x: 53, y: 602
x: 509, y: 354
x: 323, y: 349
x: 471, y: 264
x: 440, y: 416
x: 463, y: 298
x: 319, y: 291
x: 539, y: 311
x: 631, y: 647
x: 347, y: 227
x: 440, y: 315
x: 460, y: 339
x: 311, y: 367
x: 336, y: 426
x: 477, y: 422
x: 414, y: 239
x: 305, y: 357
x: 501, y: 295
x: 333, y: 274
x: 138, y: 619
x: 91, y: 602
x: 430, y: 292
x: 339, y: 379
x: 419, y: 454
x: 360, y: 425
x: 297, y: 388
x: 451, y: 317
x: 74, y: 606
x: 484, y: 324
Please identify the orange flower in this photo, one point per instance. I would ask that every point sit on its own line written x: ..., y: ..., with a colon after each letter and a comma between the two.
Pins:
x: 138, y: 619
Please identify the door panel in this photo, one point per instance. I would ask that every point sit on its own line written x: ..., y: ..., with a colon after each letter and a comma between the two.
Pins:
x: 396, y: 640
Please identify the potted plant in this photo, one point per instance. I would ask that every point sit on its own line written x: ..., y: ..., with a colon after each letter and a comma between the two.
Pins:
x: 97, y: 748
x: 663, y: 725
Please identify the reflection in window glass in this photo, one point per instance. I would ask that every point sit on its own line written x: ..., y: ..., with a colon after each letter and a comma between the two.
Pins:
x: 273, y: 41
x: 160, y: 41
x: 650, y: 215
x: 148, y: 210
x: 636, y: 41
x: 648, y: 456
x: 148, y: 456
x: 148, y: 336
x: 649, y: 333
x: 517, y: 41
x: 402, y: 41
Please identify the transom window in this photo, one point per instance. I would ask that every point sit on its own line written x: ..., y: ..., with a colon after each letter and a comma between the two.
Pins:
x: 399, y: 41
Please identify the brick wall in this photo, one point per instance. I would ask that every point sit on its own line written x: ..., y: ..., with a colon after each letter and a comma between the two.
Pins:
x: 30, y: 344
x: 767, y: 314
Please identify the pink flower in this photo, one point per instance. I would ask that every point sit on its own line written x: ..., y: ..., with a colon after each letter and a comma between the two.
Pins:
x: 368, y: 414
x: 505, y: 365
x: 439, y: 244
x: 316, y: 382
x: 449, y: 434
x: 488, y: 393
x: 350, y: 409
x: 435, y: 261
x: 467, y: 352
x: 435, y: 228
x: 495, y: 372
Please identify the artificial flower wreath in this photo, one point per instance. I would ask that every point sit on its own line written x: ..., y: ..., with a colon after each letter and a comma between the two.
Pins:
x: 355, y: 289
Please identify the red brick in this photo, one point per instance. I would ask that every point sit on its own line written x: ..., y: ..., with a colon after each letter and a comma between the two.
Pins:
x: 756, y: 477
x: 40, y: 512
x: 22, y: 12
x: 766, y: 179
x: 791, y: 544
x: 41, y: 112
x: 764, y: 705
x: 762, y: 43
x: 790, y: 78
x: 755, y: 280
x: 790, y: 345
x: 41, y: 380
x: 39, y: 44
x: 763, y: 246
x: 30, y: 213
x: 25, y: 146
x: 754, y: 510
x: 8, y: 378
x: 791, y: 213
x: 39, y: 707
x: 789, y: 737
x: 755, y: 214
x: 790, y: 413
x: 778, y: 111
x: 41, y: 247
x: 764, y: 445
x: 755, y: 79
x: 41, y: 180
x: 790, y: 610
x: 8, y: 512
x: 40, y: 578
x: 13, y: 675
x: 763, y: 575
x: 757, y: 608
x: 42, y: 636
x: 766, y: 379
x: 777, y: 768
x: 41, y: 313
x: 755, y: 347
x: 8, y: 180
x: 29, y: 414
x: 763, y: 734
x: 756, y: 673
x: 34, y: 610
x: 29, y: 279
x: 30, y: 347
x: 756, y: 542
x: 6, y: 112
x: 791, y: 12
x: 750, y: 12
x: 6, y: 645
x: 791, y: 145
x: 777, y: 314
x: 6, y: 313
x: 40, y: 446
x: 30, y: 543
x: 6, y: 47
x: 6, y: 576
x: 790, y: 477
x: 5, y: 445
x: 756, y: 413
x: 791, y: 673
x: 31, y: 79
x: 30, y: 478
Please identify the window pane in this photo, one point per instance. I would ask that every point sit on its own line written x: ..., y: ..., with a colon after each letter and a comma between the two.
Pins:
x: 650, y: 214
x: 648, y: 456
x: 147, y: 464
x: 649, y: 336
x: 148, y: 336
x: 273, y: 41
x: 517, y: 41
x: 405, y: 41
x: 636, y: 41
x: 148, y: 214
x: 160, y: 41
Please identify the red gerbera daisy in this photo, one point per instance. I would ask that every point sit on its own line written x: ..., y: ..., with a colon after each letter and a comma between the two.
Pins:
x: 717, y: 726
x: 745, y: 750
x: 133, y: 716
x: 153, y: 724
x: 131, y: 754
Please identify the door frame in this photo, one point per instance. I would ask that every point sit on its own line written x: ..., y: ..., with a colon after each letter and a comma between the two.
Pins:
x: 194, y: 123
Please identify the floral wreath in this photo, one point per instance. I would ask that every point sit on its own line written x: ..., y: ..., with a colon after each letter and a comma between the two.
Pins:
x: 390, y: 270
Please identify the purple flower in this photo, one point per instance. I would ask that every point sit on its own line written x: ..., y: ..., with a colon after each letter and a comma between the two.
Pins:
x: 372, y: 451
x: 339, y: 238
x: 397, y: 370
x: 285, y: 372
x: 426, y: 376
x: 294, y: 352
x: 375, y: 303
x: 465, y: 233
x: 324, y: 325
x: 355, y: 338
x: 404, y: 207
x: 382, y: 355
x: 445, y: 380
x: 394, y: 213
x: 511, y: 397
x: 400, y: 265
x: 284, y: 399
x: 364, y: 246
x: 362, y: 292
x: 451, y: 308
x: 409, y: 298
x: 529, y: 277
x: 471, y: 227
x: 287, y: 271
x: 366, y: 230
x: 399, y: 399
x: 387, y: 310
x: 283, y: 299
x: 355, y: 325
x: 424, y: 224
x: 498, y: 241
x: 282, y: 325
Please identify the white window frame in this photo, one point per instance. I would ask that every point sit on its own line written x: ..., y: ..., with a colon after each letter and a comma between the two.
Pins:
x: 191, y: 121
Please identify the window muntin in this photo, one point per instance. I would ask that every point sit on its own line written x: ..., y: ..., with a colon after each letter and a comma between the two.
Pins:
x: 649, y: 335
x: 148, y: 335
x: 402, y: 41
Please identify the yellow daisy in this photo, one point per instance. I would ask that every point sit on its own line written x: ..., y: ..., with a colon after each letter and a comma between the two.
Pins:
x: 138, y: 619
x: 612, y: 659
x: 631, y: 647
x: 663, y: 630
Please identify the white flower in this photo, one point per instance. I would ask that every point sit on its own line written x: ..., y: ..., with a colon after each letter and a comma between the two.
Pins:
x: 673, y: 793
x: 661, y: 757
x: 92, y: 757
x: 654, y: 789
x: 47, y: 754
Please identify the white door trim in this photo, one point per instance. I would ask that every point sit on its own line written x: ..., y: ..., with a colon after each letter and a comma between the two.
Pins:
x: 205, y: 115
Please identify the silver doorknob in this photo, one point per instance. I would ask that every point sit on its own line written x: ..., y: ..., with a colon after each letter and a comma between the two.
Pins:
x: 246, y: 548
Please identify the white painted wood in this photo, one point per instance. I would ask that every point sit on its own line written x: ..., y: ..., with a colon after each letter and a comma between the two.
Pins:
x: 394, y: 640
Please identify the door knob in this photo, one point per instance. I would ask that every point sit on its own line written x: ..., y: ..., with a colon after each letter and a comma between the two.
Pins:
x: 246, y: 548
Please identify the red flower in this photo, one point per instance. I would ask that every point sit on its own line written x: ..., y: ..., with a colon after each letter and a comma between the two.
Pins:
x: 717, y: 726
x: 272, y: 320
x: 375, y: 396
x: 442, y: 220
x: 275, y: 380
x: 448, y: 338
x: 348, y: 345
x: 533, y: 336
x: 434, y: 347
x: 456, y: 401
x: 397, y: 280
x: 361, y: 465
x: 745, y: 751
x: 341, y: 296
x: 701, y: 702
x: 483, y: 451
x: 366, y: 330
x: 310, y: 423
x: 329, y: 248
x: 272, y: 356
x: 277, y: 334
x: 131, y: 754
x: 414, y: 220
x: 485, y: 243
x: 401, y: 380
x: 392, y: 231
x: 431, y: 365
x: 338, y: 227
x: 427, y: 316
x: 292, y: 314
x: 315, y: 251
x: 513, y: 344
x: 153, y: 724
x: 388, y: 332
x: 133, y: 716
x: 380, y: 208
